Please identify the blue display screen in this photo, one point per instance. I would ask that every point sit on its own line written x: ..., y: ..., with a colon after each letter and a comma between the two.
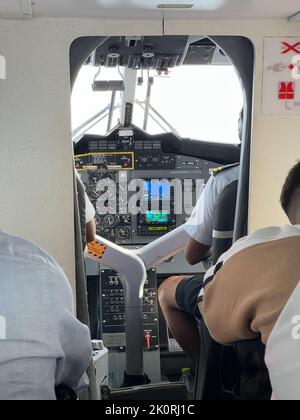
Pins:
x: 158, y: 191
x: 157, y: 217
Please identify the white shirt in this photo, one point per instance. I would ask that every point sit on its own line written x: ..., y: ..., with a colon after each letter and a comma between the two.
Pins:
x: 260, y: 236
x: 89, y: 210
x: 42, y: 344
x: 201, y: 223
x: 283, y: 350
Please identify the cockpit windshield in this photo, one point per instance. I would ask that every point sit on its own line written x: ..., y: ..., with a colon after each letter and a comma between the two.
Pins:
x: 201, y: 102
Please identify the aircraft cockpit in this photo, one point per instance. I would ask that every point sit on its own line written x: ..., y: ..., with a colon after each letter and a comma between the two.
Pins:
x: 145, y: 147
x: 149, y: 153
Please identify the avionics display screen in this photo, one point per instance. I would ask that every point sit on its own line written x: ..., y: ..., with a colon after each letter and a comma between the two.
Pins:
x: 158, y: 229
x: 157, y: 190
x: 157, y: 217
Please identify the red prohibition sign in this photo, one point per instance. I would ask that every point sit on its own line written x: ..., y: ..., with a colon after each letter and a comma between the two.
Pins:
x: 290, y: 47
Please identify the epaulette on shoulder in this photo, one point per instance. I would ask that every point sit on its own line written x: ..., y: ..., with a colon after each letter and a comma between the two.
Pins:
x: 222, y: 169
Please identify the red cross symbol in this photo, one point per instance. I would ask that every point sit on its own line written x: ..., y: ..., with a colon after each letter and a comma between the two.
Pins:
x: 286, y: 91
x: 290, y: 48
x: 292, y: 67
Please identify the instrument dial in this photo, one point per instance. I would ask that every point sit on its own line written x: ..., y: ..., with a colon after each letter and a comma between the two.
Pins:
x: 109, y: 175
x: 124, y: 233
x: 126, y: 219
x: 109, y: 220
x: 107, y: 233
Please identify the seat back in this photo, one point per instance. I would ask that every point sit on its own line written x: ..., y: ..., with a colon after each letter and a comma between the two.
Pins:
x: 209, y: 383
x: 224, y: 221
x: 64, y: 393
x: 254, y: 383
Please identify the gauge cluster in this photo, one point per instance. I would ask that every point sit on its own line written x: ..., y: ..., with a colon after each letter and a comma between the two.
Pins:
x: 103, y: 189
x: 105, y: 161
x: 108, y: 166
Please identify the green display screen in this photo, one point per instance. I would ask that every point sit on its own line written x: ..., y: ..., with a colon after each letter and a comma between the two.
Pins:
x: 157, y: 217
x: 158, y: 229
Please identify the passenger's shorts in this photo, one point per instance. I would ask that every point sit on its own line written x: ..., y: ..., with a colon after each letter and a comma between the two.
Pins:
x: 187, y: 295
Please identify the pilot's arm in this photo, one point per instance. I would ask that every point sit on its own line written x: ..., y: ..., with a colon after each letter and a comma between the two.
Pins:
x: 201, y: 224
x: 90, y: 220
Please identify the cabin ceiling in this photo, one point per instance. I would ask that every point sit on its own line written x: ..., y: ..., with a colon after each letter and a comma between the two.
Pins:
x: 147, y: 9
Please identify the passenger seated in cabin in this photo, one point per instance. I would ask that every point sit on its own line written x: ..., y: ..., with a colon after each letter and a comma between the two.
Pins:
x: 246, y: 293
x: 178, y: 296
x: 42, y: 345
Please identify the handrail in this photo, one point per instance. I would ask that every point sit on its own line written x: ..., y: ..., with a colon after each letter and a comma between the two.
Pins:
x: 131, y: 267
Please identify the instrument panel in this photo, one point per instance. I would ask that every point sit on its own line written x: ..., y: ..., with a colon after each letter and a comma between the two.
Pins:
x: 133, y: 187
x: 130, y: 182
x: 113, y: 311
x: 106, y: 161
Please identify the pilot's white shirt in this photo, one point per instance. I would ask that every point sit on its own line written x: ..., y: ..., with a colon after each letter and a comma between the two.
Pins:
x: 201, y: 223
x: 89, y: 210
x: 42, y: 344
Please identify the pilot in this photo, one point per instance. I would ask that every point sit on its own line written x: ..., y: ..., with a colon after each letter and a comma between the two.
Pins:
x: 42, y: 343
x: 247, y: 296
x: 178, y: 296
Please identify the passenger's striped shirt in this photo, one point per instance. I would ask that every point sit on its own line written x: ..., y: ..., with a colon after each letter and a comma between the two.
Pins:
x: 245, y: 293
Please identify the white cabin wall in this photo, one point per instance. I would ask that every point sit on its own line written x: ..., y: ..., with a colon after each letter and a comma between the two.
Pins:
x: 35, y: 121
x: 36, y: 183
x: 275, y: 146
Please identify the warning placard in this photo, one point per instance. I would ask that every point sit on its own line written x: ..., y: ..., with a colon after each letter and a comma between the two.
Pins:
x: 281, y: 84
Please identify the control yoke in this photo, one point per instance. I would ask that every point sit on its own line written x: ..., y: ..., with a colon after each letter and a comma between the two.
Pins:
x: 131, y: 267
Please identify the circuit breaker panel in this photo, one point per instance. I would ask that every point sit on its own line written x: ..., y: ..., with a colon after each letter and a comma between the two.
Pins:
x: 113, y: 311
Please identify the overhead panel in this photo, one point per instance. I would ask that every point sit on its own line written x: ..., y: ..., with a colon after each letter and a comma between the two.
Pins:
x: 150, y: 52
